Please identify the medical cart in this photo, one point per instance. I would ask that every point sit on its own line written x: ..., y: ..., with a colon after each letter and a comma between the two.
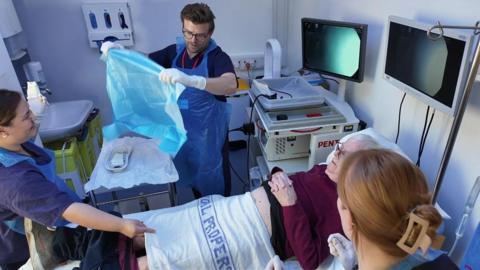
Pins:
x: 296, y: 124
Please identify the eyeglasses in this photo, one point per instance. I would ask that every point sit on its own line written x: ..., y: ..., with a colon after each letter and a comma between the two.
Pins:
x: 339, y: 150
x: 199, y: 36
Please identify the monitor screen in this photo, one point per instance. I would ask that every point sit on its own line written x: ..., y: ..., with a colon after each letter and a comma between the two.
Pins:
x: 432, y: 70
x: 334, y: 48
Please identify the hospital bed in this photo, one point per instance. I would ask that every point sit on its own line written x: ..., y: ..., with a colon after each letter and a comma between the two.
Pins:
x: 330, y: 263
x: 169, y: 249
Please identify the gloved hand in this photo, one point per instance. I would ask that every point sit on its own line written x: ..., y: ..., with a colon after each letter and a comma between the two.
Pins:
x: 173, y: 75
x: 107, y: 45
x: 342, y: 248
x: 275, y: 264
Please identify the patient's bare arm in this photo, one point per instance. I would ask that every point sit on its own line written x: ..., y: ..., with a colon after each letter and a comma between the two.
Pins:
x: 263, y: 205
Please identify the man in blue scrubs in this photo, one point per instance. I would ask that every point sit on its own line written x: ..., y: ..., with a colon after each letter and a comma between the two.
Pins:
x: 208, y: 75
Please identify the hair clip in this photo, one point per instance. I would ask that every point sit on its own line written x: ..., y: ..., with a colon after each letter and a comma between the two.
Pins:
x: 423, y: 241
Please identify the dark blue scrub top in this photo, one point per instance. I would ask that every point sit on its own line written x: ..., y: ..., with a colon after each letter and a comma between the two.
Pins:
x: 219, y: 62
x: 25, y: 192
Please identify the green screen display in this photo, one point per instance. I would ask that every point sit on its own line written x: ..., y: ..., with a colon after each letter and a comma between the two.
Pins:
x: 334, y: 48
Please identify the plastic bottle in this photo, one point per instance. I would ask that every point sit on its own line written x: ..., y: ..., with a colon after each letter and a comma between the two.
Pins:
x: 36, y: 100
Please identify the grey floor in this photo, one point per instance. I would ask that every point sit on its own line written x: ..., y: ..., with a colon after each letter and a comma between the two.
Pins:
x: 238, y: 169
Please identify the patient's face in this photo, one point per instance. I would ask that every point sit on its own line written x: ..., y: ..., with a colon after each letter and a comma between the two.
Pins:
x: 343, y: 149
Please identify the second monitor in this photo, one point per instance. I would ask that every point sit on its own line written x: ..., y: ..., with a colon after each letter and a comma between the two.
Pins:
x: 334, y: 48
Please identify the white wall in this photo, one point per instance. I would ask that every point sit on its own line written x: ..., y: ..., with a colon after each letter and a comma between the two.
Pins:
x: 57, y: 37
x: 376, y: 101
x: 8, y: 79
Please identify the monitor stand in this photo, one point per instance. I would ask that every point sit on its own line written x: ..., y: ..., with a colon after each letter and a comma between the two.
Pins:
x: 341, y: 89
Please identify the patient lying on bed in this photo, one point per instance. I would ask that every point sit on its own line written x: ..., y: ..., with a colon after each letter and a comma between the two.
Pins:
x: 291, y: 217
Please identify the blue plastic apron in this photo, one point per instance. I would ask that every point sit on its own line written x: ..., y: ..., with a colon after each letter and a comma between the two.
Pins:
x: 199, y: 162
x: 9, y: 158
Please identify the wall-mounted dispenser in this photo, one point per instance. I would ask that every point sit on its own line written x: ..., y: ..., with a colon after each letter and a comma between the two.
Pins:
x: 108, y: 21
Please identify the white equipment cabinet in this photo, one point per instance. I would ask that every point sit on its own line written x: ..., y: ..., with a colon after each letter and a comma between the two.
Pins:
x: 300, y: 125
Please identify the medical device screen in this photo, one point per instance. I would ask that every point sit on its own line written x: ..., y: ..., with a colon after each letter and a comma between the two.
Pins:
x: 417, y: 64
x: 429, y: 66
x: 334, y: 48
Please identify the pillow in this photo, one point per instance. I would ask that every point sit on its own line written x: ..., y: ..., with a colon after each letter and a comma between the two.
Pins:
x: 385, y: 143
x: 379, y: 138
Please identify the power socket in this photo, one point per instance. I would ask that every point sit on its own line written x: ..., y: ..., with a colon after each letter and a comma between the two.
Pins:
x: 247, y: 64
x: 240, y: 59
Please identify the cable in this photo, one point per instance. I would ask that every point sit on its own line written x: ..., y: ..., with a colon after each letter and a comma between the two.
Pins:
x: 245, y: 184
x: 248, y: 67
x: 274, y: 90
x: 421, y: 138
x: 330, y: 79
x: 245, y: 128
x: 259, y: 126
x: 248, y: 139
x: 399, y: 117
x: 426, y: 129
x: 426, y: 133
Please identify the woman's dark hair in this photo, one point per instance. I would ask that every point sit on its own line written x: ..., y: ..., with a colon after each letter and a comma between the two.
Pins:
x: 198, y: 13
x: 9, y: 101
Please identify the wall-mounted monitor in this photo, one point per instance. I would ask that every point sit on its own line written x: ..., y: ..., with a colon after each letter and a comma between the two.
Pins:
x: 431, y: 70
x: 334, y: 48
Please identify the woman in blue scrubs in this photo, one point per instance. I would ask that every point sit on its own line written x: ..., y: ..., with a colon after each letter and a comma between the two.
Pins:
x: 29, y: 187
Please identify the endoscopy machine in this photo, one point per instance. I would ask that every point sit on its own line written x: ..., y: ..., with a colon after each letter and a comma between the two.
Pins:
x: 297, y: 123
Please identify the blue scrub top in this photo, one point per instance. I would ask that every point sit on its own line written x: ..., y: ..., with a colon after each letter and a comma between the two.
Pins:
x: 25, y: 192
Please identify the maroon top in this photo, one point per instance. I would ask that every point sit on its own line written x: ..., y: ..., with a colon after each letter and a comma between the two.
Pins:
x: 313, y: 218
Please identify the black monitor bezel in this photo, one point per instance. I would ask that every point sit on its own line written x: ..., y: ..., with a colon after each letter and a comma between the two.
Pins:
x: 363, y: 28
x: 420, y: 94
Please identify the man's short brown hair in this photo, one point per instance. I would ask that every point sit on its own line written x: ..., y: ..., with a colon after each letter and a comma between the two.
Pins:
x: 198, y: 13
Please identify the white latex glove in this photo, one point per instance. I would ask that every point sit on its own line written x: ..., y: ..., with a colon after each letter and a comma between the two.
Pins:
x: 173, y: 75
x: 107, y: 45
x: 342, y: 248
x: 275, y: 264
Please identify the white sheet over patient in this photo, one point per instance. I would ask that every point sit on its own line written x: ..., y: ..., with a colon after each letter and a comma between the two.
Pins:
x: 210, y: 233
